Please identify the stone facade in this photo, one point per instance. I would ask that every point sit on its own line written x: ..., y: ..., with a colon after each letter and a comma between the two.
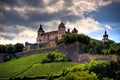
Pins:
x: 49, y: 38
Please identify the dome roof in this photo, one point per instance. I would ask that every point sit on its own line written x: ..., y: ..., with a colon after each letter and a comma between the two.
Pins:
x: 61, y: 24
x: 41, y: 29
x: 74, y: 30
x: 105, y: 35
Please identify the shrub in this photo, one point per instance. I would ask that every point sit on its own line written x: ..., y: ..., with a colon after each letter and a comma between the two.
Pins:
x: 83, y: 75
x: 55, y: 57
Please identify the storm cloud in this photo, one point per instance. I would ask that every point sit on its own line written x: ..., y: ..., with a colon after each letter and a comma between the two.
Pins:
x: 16, y: 16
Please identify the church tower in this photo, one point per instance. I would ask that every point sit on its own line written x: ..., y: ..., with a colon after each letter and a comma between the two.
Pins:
x: 40, y: 35
x: 105, y: 37
x: 61, y: 30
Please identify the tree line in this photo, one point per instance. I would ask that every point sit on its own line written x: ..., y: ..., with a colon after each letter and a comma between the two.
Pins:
x: 106, y: 48
x: 92, y: 46
x: 10, y: 48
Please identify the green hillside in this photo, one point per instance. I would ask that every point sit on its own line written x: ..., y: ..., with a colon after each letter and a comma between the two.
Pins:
x: 30, y: 66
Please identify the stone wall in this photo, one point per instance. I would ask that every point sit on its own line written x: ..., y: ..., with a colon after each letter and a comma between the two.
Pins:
x: 2, y: 57
x: 71, y: 51
x: 36, y: 51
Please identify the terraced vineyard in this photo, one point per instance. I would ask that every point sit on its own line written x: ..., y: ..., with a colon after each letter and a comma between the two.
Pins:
x: 31, y: 66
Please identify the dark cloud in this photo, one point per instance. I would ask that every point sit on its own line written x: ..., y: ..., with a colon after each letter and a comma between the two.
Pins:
x: 13, y: 18
x: 7, y: 37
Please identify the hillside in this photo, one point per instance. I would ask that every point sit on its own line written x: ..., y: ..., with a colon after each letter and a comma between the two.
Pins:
x: 30, y: 66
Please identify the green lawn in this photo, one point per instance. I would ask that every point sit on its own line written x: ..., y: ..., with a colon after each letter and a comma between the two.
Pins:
x: 31, y: 66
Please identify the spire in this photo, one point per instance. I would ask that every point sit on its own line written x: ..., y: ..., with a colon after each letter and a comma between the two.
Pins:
x: 105, y: 31
x: 41, y: 29
x: 105, y: 34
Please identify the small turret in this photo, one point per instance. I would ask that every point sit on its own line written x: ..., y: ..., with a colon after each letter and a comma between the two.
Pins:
x: 62, y: 25
x: 68, y: 30
x: 105, y: 35
x: 41, y: 29
x: 75, y: 31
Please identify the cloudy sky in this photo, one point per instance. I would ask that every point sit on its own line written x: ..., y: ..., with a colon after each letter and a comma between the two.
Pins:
x: 20, y: 19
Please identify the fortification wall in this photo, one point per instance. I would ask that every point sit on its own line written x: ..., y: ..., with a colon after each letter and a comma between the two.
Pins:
x: 36, y: 51
x: 2, y: 57
x: 71, y: 51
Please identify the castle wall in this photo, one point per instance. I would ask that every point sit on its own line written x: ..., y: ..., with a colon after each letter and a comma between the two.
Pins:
x: 36, y: 51
x: 2, y: 57
x: 71, y: 51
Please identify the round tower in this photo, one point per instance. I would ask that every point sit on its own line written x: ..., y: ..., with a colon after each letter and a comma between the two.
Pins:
x: 39, y: 35
x: 61, y: 30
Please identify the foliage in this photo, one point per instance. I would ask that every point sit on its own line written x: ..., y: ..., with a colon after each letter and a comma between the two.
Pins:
x: 9, y: 48
x: 83, y: 75
x: 117, y: 50
x: 19, y: 47
x: 106, y: 48
x: 55, y: 57
x: 104, y: 70
x: 49, y: 77
x: 73, y: 38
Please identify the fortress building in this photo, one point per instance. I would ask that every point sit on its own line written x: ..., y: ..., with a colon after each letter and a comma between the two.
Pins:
x: 52, y: 38
x: 105, y: 37
x: 49, y: 38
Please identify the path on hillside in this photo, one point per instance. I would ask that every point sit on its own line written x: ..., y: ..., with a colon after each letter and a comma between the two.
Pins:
x: 26, y: 69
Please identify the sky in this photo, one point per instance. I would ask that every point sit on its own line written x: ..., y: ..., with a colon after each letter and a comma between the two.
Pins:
x: 20, y: 19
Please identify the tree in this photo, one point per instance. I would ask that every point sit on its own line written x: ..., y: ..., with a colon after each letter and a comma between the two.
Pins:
x: 19, y: 47
x: 73, y: 38
x: 10, y: 48
x: 83, y: 39
x: 2, y: 49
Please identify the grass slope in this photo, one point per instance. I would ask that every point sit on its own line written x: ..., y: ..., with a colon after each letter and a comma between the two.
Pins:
x: 54, y: 68
x: 15, y: 67
x: 31, y: 66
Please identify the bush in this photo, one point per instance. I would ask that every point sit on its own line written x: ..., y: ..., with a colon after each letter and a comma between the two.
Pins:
x: 55, y: 57
x: 83, y: 75
x: 103, y: 69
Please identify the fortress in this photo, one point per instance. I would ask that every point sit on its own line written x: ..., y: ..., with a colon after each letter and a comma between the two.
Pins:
x: 52, y: 38
x: 49, y: 38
